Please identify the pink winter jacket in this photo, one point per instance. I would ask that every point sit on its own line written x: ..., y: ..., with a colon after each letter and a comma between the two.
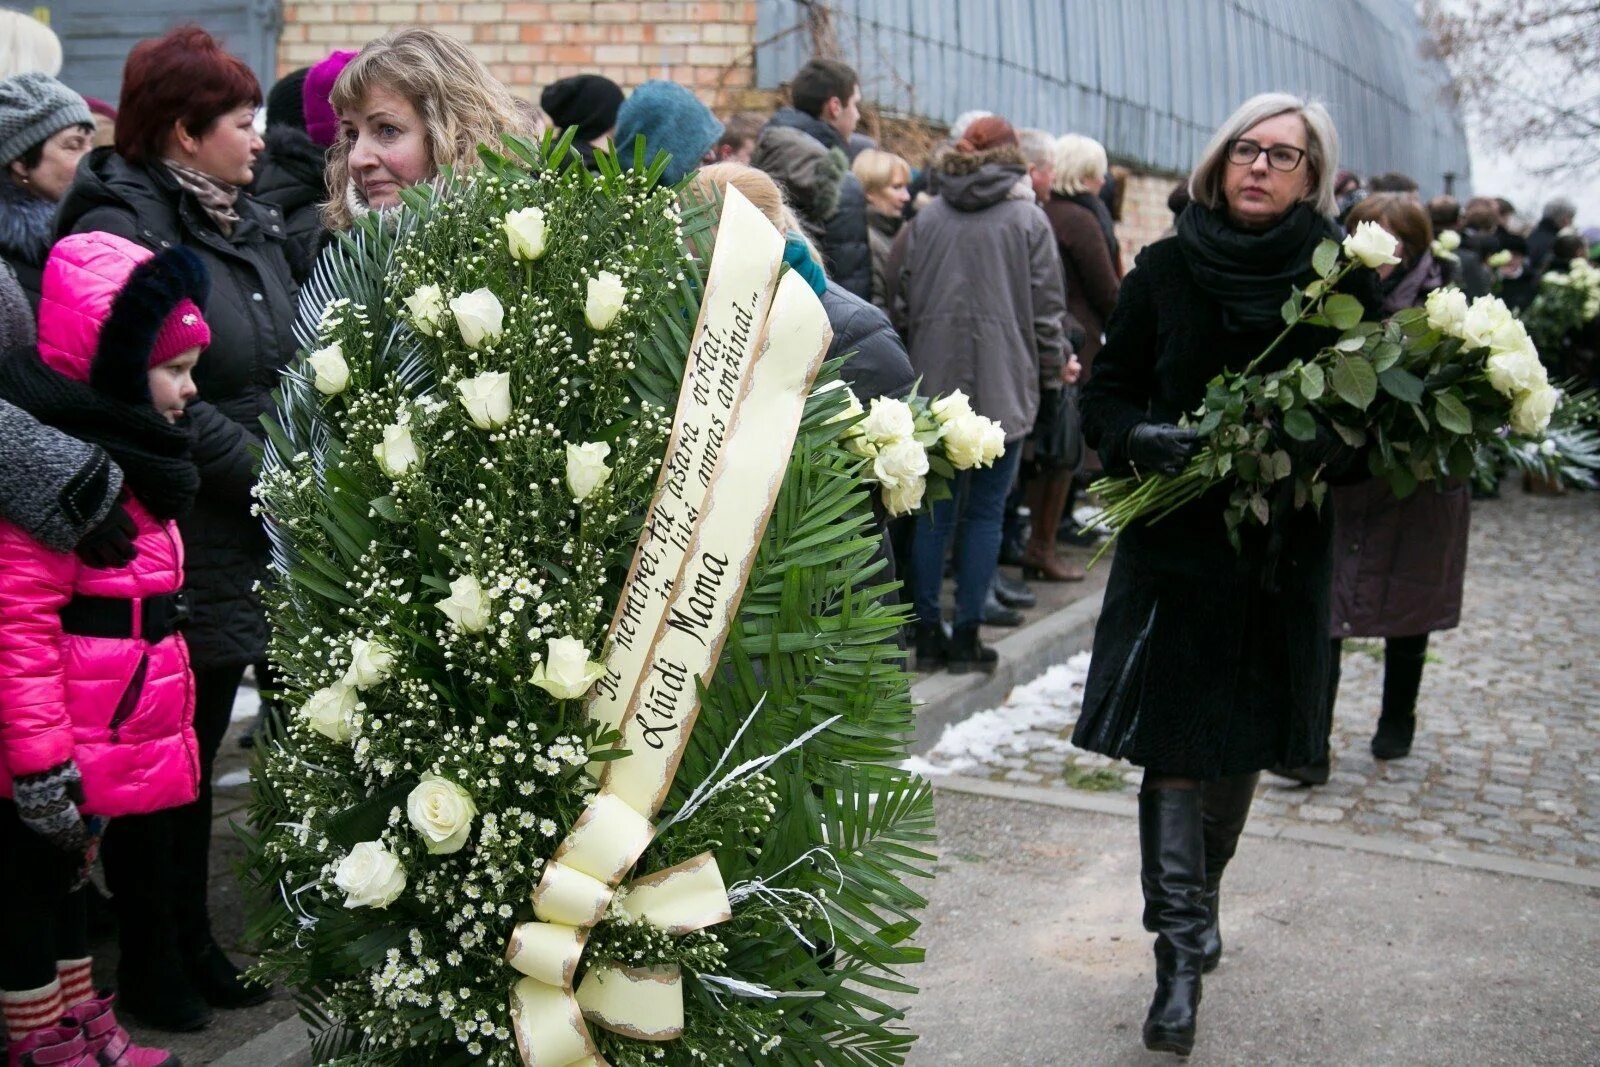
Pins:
x: 121, y: 708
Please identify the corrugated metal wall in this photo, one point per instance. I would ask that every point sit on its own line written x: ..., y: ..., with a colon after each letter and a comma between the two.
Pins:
x: 1150, y: 79
x: 96, y: 35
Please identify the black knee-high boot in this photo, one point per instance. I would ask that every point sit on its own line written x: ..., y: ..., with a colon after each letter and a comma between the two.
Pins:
x: 1224, y: 806
x: 1172, y: 874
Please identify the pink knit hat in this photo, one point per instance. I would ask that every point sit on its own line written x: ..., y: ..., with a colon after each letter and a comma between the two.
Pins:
x: 322, y: 124
x: 184, y: 328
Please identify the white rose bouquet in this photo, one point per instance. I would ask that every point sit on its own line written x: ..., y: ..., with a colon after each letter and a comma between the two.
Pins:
x: 916, y: 445
x: 1418, y: 392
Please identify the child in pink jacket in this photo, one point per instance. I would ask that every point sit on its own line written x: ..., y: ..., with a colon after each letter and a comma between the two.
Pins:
x: 96, y: 696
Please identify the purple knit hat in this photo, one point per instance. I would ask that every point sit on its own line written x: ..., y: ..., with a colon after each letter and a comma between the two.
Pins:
x: 322, y: 125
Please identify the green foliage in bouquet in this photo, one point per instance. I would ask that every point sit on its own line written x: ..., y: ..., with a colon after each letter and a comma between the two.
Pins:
x: 1418, y: 393
x: 1569, y: 454
x: 1567, y: 302
x: 454, y: 490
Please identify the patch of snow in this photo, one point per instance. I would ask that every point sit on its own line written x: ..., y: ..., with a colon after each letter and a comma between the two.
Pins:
x: 1034, y: 716
x: 246, y: 704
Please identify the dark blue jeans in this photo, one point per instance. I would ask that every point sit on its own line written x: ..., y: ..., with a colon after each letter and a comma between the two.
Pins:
x: 982, y: 495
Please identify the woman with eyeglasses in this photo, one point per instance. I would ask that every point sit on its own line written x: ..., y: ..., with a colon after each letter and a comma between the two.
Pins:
x: 1210, y: 663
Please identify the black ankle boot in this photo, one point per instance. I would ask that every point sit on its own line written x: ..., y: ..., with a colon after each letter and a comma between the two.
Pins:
x: 1224, y: 806
x: 1013, y: 592
x: 1393, y: 737
x: 1172, y: 875
x: 932, y: 646
x: 995, y: 612
x: 153, y: 986
x: 219, y: 982
x: 967, y: 653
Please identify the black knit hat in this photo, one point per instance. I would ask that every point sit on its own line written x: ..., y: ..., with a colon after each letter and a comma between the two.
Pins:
x: 587, y: 101
x: 284, y: 105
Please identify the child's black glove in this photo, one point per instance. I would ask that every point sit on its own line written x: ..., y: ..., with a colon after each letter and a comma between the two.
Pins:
x: 109, y: 544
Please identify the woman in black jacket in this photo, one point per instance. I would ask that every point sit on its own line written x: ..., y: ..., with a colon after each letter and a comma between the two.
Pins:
x: 1210, y: 664
x: 186, y: 146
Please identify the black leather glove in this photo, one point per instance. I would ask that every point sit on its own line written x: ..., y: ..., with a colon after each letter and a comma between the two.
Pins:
x: 109, y: 544
x: 47, y: 803
x: 1161, y: 446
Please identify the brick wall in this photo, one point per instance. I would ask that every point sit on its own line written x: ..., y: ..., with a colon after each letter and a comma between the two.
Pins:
x: 1144, y: 213
x: 703, y: 44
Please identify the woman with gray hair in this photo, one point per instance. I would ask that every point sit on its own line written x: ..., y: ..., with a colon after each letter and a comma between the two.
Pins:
x: 1210, y: 663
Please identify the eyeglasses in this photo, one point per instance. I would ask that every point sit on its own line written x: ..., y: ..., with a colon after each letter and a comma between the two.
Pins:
x: 1284, y: 157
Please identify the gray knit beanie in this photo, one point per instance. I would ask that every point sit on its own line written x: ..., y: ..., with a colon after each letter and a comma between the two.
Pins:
x: 33, y: 107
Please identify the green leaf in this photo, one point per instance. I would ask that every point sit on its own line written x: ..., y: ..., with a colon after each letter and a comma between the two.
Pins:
x: 364, y: 821
x: 1326, y: 258
x: 1354, y: 381
x: 1402, y: 481
x: 1299, y: 425
x: 1312, y: 382
x: 1401, y: 384
x: 1291, y: 310
x: 1343, y: 310
x: 384, y: 506
x: 1350, y: 435
x: 1452, y: 414
x: 1386, y: 355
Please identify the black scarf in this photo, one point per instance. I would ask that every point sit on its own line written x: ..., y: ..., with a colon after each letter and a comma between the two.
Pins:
x: 153, y: 453
x: 1249, y: 273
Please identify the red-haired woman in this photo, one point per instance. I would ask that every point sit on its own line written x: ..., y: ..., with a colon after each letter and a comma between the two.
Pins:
x: 185, y: 146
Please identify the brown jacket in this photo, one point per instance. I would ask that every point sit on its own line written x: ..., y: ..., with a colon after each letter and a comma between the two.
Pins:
x: 1092, y: 278
x: 975, y: 289
x: 1398, y: 565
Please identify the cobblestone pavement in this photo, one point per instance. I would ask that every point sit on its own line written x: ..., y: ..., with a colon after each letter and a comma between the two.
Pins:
x: 1507, y: 755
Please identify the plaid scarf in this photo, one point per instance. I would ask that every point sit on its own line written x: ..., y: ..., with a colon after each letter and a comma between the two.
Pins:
x: 217, y: 197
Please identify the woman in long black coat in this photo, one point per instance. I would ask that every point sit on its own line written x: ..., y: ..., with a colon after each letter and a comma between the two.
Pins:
x: 185, y: 148
x: 1209, y: 663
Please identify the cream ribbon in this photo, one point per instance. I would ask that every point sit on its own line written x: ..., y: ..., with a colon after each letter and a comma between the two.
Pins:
x: 726, y: 458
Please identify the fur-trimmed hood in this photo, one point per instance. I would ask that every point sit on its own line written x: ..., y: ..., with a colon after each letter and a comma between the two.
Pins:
x: 809, y: 172
x: 25, y: 225
x: 974, y: 181
x: 105, y: 301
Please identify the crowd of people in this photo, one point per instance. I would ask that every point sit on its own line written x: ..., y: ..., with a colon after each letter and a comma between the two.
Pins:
x: 153, y: 257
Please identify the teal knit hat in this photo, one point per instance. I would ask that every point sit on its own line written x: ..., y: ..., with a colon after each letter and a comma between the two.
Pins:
x: 34, y: 107
x: 673, y: 120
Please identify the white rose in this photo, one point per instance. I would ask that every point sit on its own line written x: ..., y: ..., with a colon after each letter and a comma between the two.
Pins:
x: 951, y: 408
x: 586, y: 468
x: 467, y: 606
x: 370, y: 663
x: 852, y: 406
x: 994, y: 442
x: 1530, y: 412
x: 487, y: 399
x: 1447, y: 311
x: 331, y: 711
x: 1371, y: 245
x: 889, y: 420
x: 397, y: 452
x: 426, y: 308
x: 1515, y: 372
x: 966, y: 442
x: 1488, y: 324
x: 525, y: 233
x: 860, y: 443
x: 442, y: 813
x: 479, y: 316
x: 606, y: 294
x: 567, y: 672
x: 332, y: 372
x: 1449, y: 240
x: 1500, y: 258
x: 370, y: 876
x: 900, y: 462
x: 904, y: 498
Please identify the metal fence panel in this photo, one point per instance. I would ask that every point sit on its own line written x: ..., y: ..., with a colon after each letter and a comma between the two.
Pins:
x: 1148, y: 78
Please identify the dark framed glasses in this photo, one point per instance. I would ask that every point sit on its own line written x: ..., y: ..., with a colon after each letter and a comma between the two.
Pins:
x: 1284, y: 157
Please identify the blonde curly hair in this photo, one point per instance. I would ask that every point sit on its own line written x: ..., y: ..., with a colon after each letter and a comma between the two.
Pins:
x: 460, y: 103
